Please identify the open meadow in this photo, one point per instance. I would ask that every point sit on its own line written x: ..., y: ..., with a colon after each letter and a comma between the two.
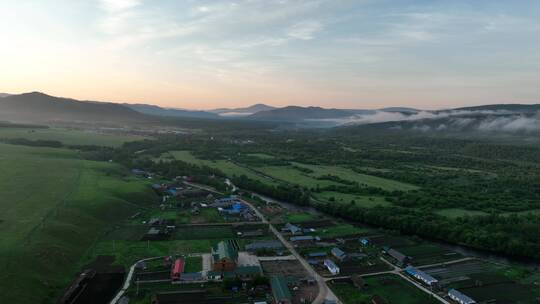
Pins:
x: 68, y: 136
x: 53, y: 206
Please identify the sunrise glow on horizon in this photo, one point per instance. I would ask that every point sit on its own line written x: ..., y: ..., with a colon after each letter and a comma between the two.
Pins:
x: 329, y: 53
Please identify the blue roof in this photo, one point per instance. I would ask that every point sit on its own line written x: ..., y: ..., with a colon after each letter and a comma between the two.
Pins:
x: 338, y: 252
x: 463, y: 298
x: 317, y: 254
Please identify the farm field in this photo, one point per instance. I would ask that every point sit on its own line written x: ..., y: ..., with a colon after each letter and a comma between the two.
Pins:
x: 71, y: 203
x: 68, y: 136
x: 389, y: 287
x: 291, y: 175
x: 340, y: 230
x: 488, y: 282
x: 227, y: 167
x: 348, y: 174
x: 427, y: 254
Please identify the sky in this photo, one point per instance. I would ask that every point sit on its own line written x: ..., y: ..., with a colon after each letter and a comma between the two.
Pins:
x: 332, y: 53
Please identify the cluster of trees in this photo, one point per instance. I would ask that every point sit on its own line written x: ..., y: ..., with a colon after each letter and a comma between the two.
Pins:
x: 34, y: 143
x: 284, y: 192
x: 513, y: 235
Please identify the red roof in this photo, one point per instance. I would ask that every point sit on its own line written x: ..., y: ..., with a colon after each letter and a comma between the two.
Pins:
x: 177, y: 269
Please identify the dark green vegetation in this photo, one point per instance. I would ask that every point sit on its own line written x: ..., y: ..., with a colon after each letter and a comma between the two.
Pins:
x: 487, y: 282
x: 62, y: 203
x: 391, y: 288
x: 482, y: 192
x: 53, y: 206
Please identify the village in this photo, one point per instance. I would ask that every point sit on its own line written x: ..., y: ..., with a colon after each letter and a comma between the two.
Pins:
x: 238, y: 247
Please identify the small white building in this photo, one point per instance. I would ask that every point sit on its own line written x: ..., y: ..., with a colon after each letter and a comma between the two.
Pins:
x: 459, y: 297
x: 332, y: 267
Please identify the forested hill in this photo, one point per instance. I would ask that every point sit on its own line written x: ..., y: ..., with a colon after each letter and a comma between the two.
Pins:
x: 39, y: 107
x: 518, y: 108
x: 294, y: 113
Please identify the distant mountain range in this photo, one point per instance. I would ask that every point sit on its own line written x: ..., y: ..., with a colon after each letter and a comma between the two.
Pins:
x: 235, y: 112
x: 37, y: 107
x: 295, y: 113
x: 159, y: 111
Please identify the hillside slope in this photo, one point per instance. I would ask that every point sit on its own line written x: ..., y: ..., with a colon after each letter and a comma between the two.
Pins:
x: 39, y: 107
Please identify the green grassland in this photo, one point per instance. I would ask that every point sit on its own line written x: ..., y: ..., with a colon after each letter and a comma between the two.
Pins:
x: 227, y: 167
x: 193, y: 264
x: 128, y: 252
x: 350, y: 175
x: 340, y: 230
x: 389, y: 287
x: 299, y: 217
x: 53, y: 206
x: 291, y: 175
x: 68, y: 136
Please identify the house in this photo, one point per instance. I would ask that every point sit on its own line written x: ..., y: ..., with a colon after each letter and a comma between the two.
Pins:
x: 292, y: 229
x: 177, y: 269
x: 460, y: 297
x: 155, y: 233
x: 422, y: 276
x: 339, y: 254
x: 357, y: 255
x: 364, y: 241
x: 225, y: 256
x: 313, y: 262
x: 251, y: 233
x: 242, y: 272
x: 224, y: 202
x: 280, y: 290
x: 320, y: 254
x: 400, y: 257
x: 156, y: 222
x: 331, y: 266
x: 302, y: 238
x: 191, y: 277
x: 264, y: 245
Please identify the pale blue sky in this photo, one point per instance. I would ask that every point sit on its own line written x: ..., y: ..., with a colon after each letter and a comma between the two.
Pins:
x: 332, y: 53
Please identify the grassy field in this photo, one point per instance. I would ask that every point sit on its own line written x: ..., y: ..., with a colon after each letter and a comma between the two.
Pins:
x: 193, y: 264
x: 68, y: 136
x: 348, y: 174
x: 340, y: 230
x: 294, y: 176
x: 390, y: 287
x: 53, y: 206
x: 128, y: 252
x: 227, y: 167
x: 299, y: 217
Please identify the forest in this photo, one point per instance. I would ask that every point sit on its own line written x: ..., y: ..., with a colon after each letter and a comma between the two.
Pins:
x: 492, y: 184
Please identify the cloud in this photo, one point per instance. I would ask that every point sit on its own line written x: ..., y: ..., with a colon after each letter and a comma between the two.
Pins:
x: 114, y: 6
x: 304, y: 30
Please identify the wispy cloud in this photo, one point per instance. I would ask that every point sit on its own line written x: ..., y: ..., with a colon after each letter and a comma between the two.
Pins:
x: 114, y: 6
x: 305, y: 30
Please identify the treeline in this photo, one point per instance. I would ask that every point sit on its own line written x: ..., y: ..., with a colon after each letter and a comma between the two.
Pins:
x: 34, y: 143
x: 287, y: 193
x: 513, y: 235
